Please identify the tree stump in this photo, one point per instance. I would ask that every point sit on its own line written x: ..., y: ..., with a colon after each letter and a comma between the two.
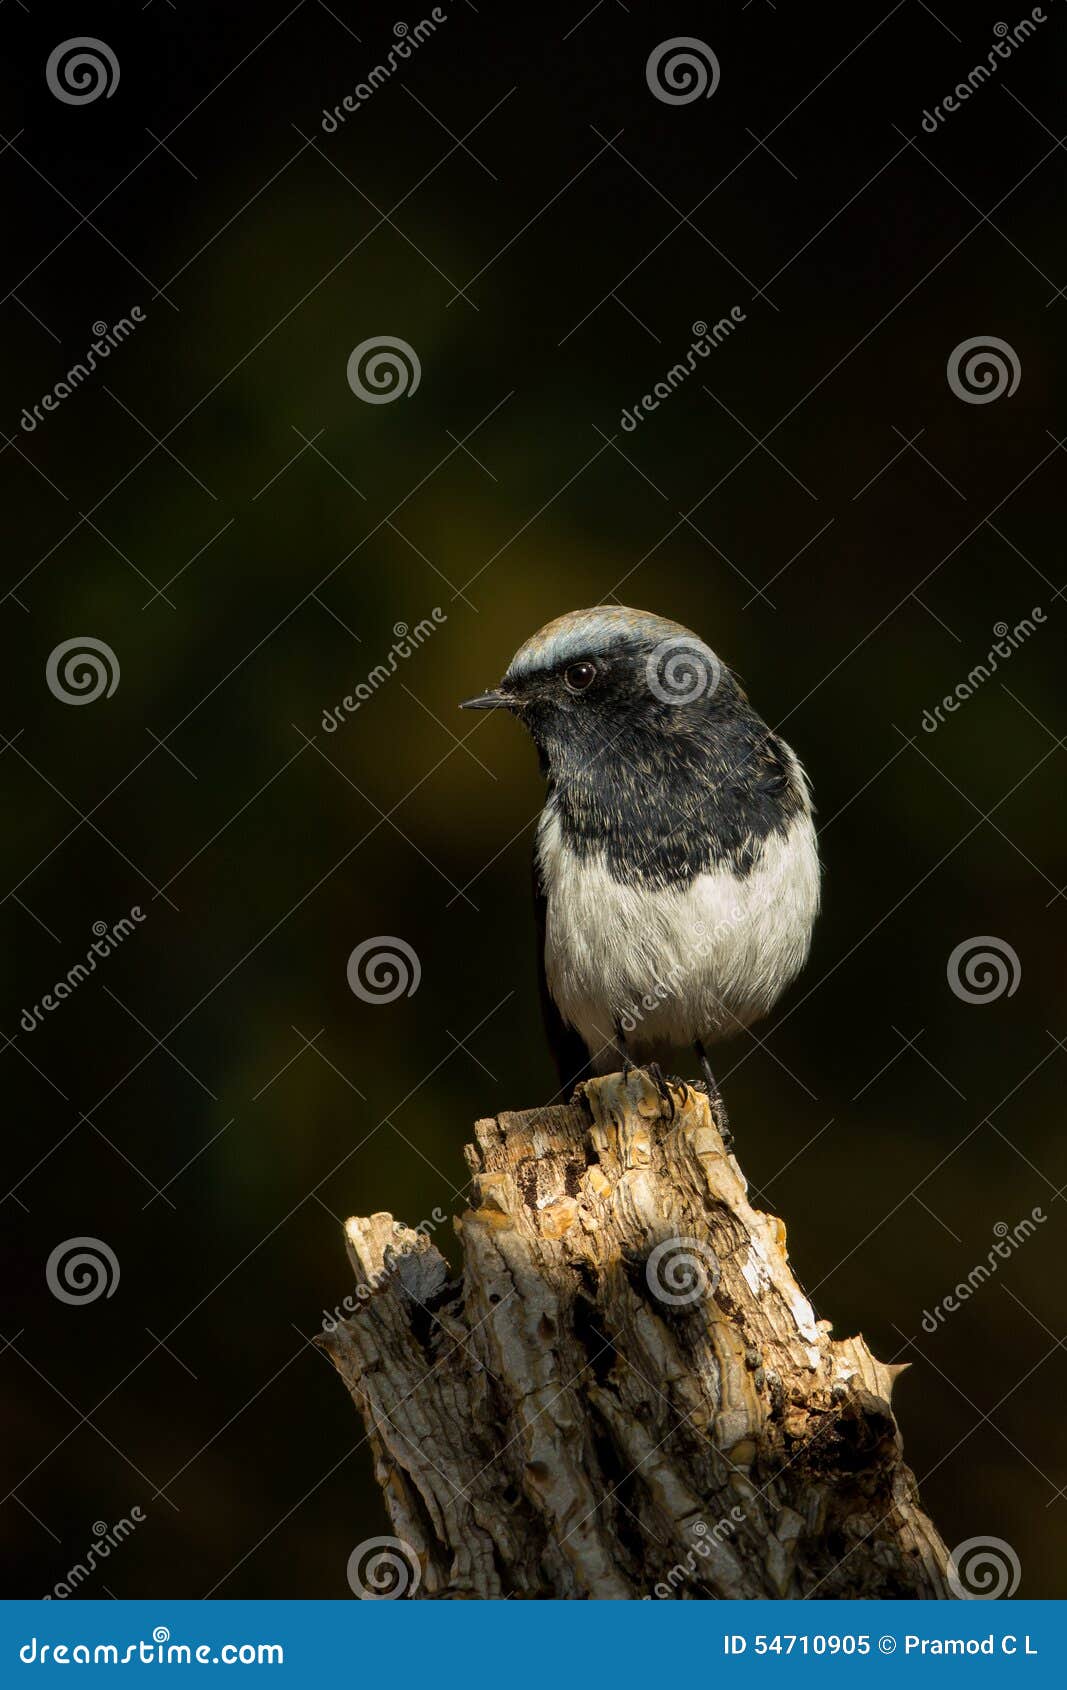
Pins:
x: 627, y: 1394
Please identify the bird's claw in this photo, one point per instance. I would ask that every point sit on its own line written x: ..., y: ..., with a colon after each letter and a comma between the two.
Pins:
x: 655, y: 1073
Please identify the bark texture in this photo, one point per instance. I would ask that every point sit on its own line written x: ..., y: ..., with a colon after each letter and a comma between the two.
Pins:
x: 627, y: 1394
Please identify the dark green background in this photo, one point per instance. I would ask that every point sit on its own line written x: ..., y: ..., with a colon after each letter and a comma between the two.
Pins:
x: 892, y: 1161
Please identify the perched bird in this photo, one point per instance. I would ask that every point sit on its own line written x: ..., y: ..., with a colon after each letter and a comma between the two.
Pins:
x: 676, y: 873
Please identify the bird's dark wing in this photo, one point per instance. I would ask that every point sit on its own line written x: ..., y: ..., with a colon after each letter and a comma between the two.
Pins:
x: 567, y: 1046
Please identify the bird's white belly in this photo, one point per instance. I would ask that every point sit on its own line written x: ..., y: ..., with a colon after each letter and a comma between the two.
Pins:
x: 670, y: 966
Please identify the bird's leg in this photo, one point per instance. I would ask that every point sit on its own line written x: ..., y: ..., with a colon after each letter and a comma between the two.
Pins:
x: 653, y: 1069
x: 621, y: 1051
x: 710, y: 1081
x: 714, y: 1094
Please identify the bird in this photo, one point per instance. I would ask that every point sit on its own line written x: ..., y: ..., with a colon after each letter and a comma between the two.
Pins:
x: 676, y: 869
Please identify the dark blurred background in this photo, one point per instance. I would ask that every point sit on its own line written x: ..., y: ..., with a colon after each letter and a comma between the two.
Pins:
x: 217, y: 506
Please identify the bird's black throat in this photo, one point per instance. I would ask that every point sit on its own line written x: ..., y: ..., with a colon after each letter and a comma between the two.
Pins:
x: 670, y: 794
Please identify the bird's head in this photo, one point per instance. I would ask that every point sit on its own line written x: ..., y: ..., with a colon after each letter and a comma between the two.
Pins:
x: 593, y: 678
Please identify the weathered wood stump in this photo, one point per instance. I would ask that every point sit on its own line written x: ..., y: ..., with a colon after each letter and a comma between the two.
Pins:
x: 627, y: 1394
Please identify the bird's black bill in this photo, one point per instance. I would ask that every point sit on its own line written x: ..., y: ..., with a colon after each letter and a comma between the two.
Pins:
x: 495, y: 700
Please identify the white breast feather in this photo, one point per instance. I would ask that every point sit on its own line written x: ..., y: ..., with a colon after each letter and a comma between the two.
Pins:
x: 674, y: 966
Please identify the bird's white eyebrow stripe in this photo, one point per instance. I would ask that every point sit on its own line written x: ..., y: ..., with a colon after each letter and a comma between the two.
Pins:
x: 587, y: 633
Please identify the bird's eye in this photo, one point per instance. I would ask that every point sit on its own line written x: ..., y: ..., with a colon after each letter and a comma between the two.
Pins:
x: 579, y: 676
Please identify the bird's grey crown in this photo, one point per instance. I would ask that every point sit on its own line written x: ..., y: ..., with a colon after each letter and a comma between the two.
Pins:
x: 589, y: 633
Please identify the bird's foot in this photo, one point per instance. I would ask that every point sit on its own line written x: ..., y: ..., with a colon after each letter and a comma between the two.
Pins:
x: 680, y: 1083
x: 656, y: 1075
